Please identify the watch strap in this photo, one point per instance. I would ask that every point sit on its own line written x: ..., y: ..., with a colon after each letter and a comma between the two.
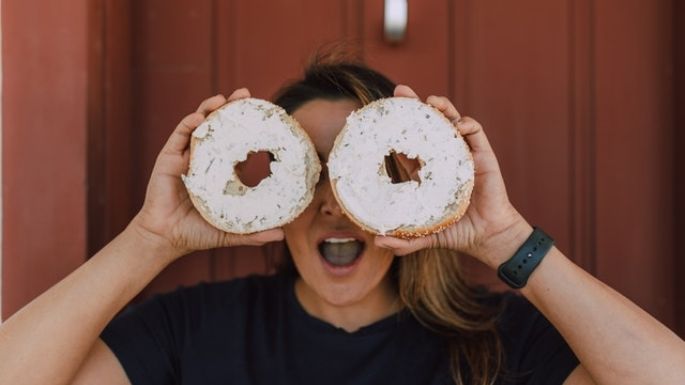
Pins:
x: 517, y: 269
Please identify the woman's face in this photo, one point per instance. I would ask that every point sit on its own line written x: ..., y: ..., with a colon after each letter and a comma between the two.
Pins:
x: 337, y: 261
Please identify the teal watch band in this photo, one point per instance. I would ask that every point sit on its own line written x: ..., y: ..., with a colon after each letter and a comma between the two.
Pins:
x: 516, y: 271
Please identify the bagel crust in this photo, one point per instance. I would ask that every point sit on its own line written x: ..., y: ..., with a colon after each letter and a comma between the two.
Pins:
x: 410, y: 209
x: 226, y: 138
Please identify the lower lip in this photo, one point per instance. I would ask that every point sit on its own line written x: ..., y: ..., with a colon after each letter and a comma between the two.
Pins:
x: 340, y: 271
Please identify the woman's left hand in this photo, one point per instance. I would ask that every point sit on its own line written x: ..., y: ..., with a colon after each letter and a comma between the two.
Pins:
x: 491, y: 225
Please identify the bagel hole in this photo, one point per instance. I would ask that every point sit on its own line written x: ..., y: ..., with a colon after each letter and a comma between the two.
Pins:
x: 402, y: 168
x: 255, y: 168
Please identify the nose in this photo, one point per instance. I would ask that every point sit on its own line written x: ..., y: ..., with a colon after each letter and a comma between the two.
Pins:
x: 329, y: 205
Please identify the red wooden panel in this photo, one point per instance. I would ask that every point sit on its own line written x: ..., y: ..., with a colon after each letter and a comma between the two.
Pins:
x: 43, y: 147
x: 120, y: 132
x: 517, y: 86
x: 111, y: 131
x: 421, y: 60
x: 272, y: 43
x: 679, y: 174
x: 634, y: 152
x: 172, y: 70
x: 582, y: 239
x: 96, y: 156
x: 511, y: 73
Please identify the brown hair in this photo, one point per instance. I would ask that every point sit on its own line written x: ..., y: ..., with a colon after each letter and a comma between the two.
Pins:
x: 429, y: 282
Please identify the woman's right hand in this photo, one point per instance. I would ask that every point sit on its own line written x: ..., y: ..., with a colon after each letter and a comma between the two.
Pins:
x: 168, y: 218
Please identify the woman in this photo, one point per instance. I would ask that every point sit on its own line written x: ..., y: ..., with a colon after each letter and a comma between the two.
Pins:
x: 385, y: 319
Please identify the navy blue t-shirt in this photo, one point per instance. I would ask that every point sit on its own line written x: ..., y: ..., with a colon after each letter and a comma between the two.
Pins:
x: 254, y: 331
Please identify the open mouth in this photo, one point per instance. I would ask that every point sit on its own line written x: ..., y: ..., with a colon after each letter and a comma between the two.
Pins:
x: 341, y: 252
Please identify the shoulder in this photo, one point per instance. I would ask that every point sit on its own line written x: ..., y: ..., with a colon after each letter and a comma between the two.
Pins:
x: 155, y: 337
x: 512, y: 309
x: 516, y: 317
x: 532, y: 346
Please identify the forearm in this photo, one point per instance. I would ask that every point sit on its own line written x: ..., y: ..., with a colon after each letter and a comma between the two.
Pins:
x: 46, y: 341
x: 615, y: 340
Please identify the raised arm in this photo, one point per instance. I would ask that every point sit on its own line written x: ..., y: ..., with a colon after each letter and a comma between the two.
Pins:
x: 56, y: 335
x: 615, y: 341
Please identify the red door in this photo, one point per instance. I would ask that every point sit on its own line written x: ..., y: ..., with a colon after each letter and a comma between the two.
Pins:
x: 565, y: 91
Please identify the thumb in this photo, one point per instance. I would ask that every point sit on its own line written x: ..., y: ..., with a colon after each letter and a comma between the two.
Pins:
x: 404, y: 246
x: 256, y: 239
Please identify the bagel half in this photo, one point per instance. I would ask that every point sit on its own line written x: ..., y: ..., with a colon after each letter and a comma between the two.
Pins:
x: 365, y: 191
x: 226, y: 138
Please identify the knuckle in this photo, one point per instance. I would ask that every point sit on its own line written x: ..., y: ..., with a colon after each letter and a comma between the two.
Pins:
x: 476, y: 124
x: 470, y: 122
x: 188, y: 118
x: 203, y: 105
x: 442, y: 103
x: 193, y: 119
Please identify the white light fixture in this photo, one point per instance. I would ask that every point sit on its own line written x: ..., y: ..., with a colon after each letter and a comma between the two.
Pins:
x: 396, y: 16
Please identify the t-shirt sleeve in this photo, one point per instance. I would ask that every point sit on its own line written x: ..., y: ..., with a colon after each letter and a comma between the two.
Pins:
x: 536, y: 354
x: 148, y: 338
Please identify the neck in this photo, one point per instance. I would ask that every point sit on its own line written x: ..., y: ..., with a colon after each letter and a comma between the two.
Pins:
x: 378, y: 304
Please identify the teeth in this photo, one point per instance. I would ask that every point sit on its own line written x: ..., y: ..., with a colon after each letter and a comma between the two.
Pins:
x: 339, y: 240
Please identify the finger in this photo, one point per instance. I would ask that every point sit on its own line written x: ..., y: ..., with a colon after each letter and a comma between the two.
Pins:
x: 211, y: 104
x: 474, y: 135
x: 445, y: 106
x: 180, y: 138
x: 266, y: 236
x: 256, y: 239
x: 404, y: 246
x: 402, y: 90
x: 240, y: 93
